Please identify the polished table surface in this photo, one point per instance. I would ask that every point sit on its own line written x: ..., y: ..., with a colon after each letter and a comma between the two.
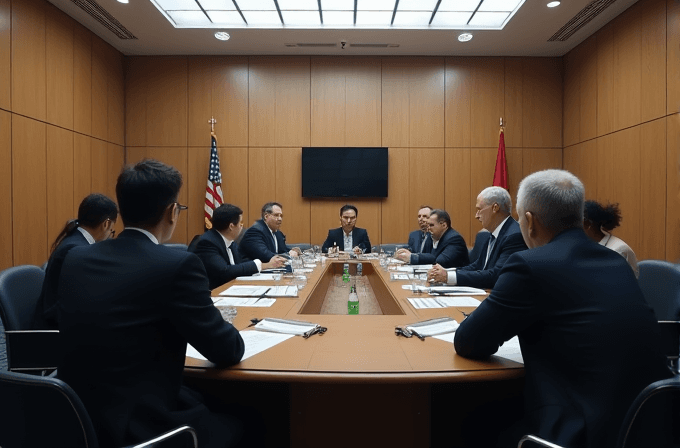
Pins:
x: 359, y: 348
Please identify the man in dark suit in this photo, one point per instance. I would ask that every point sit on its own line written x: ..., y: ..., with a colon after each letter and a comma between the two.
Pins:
x: 448, y: 246
x: 494, y: 206
x: 263, y: 239
x: 589, y: 340
x: 127, y: 309
x: 218, y: 249
x: 347, y: 237
x: 420, y: 241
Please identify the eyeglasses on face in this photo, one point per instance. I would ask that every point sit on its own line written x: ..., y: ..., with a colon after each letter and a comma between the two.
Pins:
x: 181, y: 207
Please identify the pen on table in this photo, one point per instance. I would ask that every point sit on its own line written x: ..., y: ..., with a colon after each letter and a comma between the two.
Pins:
x: 465, y: 315
x: 415, y: 333
x: 262, y: 295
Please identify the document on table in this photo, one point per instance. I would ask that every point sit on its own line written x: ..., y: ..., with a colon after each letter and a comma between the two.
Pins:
x: 443, y: 302
x: 256, y: 291
x: 244, y: 301
x: 511, y: 350
x: 260, y: 277
x: 254, y: 341
x: 433, y: 327
x: 446, y: 337
x: 457, y: 290
x: 399, y: 276
x: 408, y: 269
x: 292, y: 327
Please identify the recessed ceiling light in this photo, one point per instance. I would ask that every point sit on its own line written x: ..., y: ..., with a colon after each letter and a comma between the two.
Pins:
x: 123, y: 1
x: 221, y: 35
x: 465, y: 37
x: 553, y: 4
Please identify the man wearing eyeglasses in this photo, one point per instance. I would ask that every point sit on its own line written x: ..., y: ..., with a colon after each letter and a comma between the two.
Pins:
x: 127, y: 309
x: 348, y: 237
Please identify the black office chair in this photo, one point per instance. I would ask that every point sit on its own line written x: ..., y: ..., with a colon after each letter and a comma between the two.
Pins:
x: 303, y: 246
x: 480, y: 241
x: 45, y: 412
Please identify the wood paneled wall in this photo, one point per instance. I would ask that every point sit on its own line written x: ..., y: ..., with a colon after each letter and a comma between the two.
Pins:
x: 61, y: 125
x: 439, y: 117
x: 621, y: 123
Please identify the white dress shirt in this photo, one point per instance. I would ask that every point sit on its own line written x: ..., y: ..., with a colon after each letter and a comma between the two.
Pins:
x: 87, y: 235
x: 151, y: 236
x: 348, y: 241
x: 227, y: 243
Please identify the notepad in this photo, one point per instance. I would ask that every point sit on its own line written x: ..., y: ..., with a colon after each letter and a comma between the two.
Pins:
x: 443, y: 302
x: 433, y: 327
x: 292, y: 327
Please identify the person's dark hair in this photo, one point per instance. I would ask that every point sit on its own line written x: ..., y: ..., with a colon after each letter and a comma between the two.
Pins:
x: 346, y: 207
x: 93, y: 210
x: 145, y: 190
x: 442, y: 216
x: 606, y: 216
x: 224, y: 215
x: 269, y: 207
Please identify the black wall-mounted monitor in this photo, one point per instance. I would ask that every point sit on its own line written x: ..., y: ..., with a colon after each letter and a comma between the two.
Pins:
x: 344, y: 172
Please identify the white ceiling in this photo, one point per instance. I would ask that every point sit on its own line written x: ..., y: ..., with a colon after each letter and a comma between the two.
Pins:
x: 526, y: 34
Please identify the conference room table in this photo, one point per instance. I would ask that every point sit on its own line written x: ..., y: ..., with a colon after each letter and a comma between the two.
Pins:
x: 358, y: 383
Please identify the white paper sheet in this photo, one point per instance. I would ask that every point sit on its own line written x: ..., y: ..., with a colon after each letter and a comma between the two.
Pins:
x: 399, y: 276
x: 260, y: 277
x: 255, y: 342
x: 286, y: 327
x: 447, y: 337
x: 246, y: 290
x: 442, y: 302
x: 408, y: 269
x: 303, y: 270
x: 283, y: 291
x: 245, y: 301
x: 511, y: 350
x: 434, y: 328
x: 457, y: 290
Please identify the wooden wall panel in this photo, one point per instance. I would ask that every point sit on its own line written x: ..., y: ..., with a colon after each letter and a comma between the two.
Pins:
x: 515, y: 158
x: 363, y: 126
x: 426, y: 177
x: 116, y: 96
x: 627, y: 68
x: 487, y: 101
x: 513, y: 116
x: 288, y: 193
x: 573, y: 69
x: 60, y: 172
x: 652, y: 232
x: 397, y: 217
x: 234, y: 177
x: 542, y: 102
x: 82, y: 80
x: 588, y: 90
x: 261, y: 104
x: 82, y: 169
x: 6, y: 258
x: 458, y: 101
x: 29, y: 189
x: 166, y: 101
x: 538, y: 159
x: 5, y: 57
x: 627, y: 187
x: 136, y: 81
x: 28, y: 58
x: 261, y: 181
x: 426, y: 103
x: 230, y: 100
x: 606, y: 176
x: 581, y: 160
x: 673, y: 187
x: 100, y: 94
x: 325, y: 215
x: 395, y: 103
x: 459, y: 201
x: 673, y: 56
x: 653, y: 53
x: 98, y: 163
x: 199, y: 104
x: 605, y: 80
x: 59, y: 66
x: 328, y: 101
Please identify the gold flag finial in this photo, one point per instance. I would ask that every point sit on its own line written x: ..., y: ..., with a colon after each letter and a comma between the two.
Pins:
x: 212, y: 122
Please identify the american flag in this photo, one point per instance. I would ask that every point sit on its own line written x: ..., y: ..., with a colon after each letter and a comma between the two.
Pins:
x: 213, y: 191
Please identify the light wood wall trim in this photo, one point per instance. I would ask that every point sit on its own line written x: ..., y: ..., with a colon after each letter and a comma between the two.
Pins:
x: 5, y: 58
x: 28, y: 58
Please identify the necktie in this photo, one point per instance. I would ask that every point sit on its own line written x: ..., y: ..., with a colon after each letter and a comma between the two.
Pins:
x: 276, y: 245
x: 231, y: 257
x: 492, y: 241
x: 424, y: 240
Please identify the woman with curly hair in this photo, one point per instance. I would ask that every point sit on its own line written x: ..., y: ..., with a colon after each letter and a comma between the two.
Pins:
x: 598, y: 221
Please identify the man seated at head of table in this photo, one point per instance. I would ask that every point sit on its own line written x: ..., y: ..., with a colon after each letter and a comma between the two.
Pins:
x: 420, y: 241
x: 218, y: 250
x: 127, y: 309
x: 494, y: 206
x: 448, y: 246
x: 263, y: 239
x: 347, y: 237
x: 589, y: 340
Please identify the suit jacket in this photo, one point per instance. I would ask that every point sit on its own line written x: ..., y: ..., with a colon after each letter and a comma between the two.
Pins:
x: 337, y: 236
x: 589, y: 340
x: 509, y: 241
x: 212, y: 251
x: 415, y: 240
x: 46, y: 311
x: 127, y: 308
x: 451, y: 252
x: 257, y: 243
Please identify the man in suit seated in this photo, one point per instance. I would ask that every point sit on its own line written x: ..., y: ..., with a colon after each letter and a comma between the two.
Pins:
x: 494, y: 206
x: 218, y: 249
x: 420, y: 241
x: 348, y: 237
x: 127, y: 309
x: 263, y: 239
x: 448, y: 246
x: 589, y: 340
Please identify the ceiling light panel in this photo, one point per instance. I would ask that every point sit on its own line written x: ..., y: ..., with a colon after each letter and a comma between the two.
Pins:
x: 301, y: 18
x: 451, y: 19
x: 262, y: 18
x: 225, y: 17
x: 489, y: 19
x: 458, y: 5
x: 374, y: 18
x: 338, y: 18
x: 217, y: 5
x: 299, y: 5
x: 186, y: 19
x: 256, y: 5
x: 417, y: 5
x: 376, y: 5
x: 412, y: 18
x: 178, y: 5
x: 499, y: 5
x: 337, y: 5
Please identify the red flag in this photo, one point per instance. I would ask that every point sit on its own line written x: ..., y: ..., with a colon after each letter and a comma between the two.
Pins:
x: 500, y: 173
x: 213, y: 191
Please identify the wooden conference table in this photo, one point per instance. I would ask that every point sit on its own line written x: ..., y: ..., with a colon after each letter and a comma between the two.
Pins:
x: 358, y: 368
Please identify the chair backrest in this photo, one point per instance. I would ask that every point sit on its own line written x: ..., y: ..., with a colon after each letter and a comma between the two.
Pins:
x: 391, y: 247
x: 41, y: 411
x: 660, y: 284
x: 303, y: 246
x: 178, y: 246
x: 19, y: 293
x: 480, y: 240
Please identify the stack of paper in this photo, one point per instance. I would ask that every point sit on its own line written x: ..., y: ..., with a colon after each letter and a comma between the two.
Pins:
x: 443, y: 302
x: 257, y: 291
x: 260, y: 277
x: 433, y: 327
x: 244, y: 301
x: 399, y: 276
x: 457, y: 290
x: 292, y: 327
x: 255, y: 342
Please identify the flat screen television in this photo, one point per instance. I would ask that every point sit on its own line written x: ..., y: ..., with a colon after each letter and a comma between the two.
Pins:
x: 344, y: 172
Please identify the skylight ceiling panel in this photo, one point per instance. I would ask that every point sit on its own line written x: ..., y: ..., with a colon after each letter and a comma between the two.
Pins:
x: 178, y: 5
x: 417, y: 5
x: 499, y: 5
x: 301, y: 18
x: 298, y: 5
x: 217, y: 5
x: 412, y: 18
x: 190, y: 18
x: 489, y: 19
x: 338, y: 18
x: 226, y: 17
x: 262, y: 18
x: 451, y: 19
x: 458, y: 5
x: 337, y: 5
x: 376, y: 5
x: 256, y: 5
x: 374, y: 18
